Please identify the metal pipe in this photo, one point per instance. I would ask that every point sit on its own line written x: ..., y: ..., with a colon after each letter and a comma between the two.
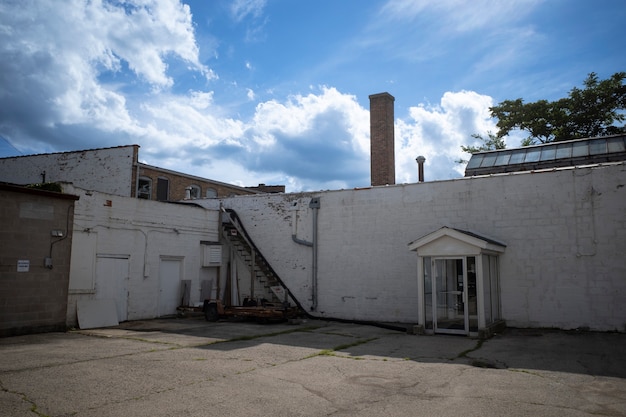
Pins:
x: 420, y: 167
x: 315, y: 205
x: 294, y: 227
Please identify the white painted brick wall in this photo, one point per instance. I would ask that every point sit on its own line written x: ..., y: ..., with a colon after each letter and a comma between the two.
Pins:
x: 565, y: 231
x: 144, y: 230
x: 108, y: 170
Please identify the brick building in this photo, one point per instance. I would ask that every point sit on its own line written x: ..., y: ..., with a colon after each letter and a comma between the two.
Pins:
x: 117, y: 171
x: 154, y: 183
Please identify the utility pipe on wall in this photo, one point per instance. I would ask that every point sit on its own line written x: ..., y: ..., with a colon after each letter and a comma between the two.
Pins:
x: 294, y: 227
x: 315, y: 205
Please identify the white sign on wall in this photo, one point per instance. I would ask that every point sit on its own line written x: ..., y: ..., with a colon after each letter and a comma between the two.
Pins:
x: 23, y: 265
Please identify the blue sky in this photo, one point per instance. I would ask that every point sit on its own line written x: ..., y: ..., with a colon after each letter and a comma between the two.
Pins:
x: 276, y: 91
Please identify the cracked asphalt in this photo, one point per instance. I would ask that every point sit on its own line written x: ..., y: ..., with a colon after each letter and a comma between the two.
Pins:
x: 189, y: 367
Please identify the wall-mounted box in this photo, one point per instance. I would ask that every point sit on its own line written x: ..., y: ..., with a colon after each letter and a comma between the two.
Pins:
x: 212, y: 254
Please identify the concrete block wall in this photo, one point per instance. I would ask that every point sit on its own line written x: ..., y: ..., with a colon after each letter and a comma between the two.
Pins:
x: 33, y: 298
x: 108, y: 170
x: 563, y: 267
x: 145, y: 232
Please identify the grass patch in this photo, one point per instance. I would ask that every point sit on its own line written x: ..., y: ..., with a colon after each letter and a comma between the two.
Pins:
x: 258, y: 336
x: 333, y: 351
x: 357, y: 343
x: 464, y: 354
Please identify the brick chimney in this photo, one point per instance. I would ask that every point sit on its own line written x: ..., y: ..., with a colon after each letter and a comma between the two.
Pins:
x: 383, y: 171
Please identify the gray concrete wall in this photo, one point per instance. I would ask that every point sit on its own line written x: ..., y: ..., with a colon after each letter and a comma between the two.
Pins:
x: 565, y: 232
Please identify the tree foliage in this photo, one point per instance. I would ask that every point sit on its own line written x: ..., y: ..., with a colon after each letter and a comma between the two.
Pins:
x: 595, y: 110
x: 490, y: 143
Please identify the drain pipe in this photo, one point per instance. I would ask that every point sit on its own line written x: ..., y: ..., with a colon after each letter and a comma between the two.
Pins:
x: 315, y: 205
x: 294, y: 227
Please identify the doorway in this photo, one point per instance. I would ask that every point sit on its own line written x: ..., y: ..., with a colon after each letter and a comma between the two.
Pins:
x: 112, y: 274
x: 170, y: 275
x: 454, y: 295
x: 458, y: 283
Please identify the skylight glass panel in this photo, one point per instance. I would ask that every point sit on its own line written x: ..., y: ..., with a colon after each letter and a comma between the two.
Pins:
x: 474, y: 161
x: 597, y: 147
x: 532, y: 155
x: 518, y: 156
x: 548, y: 153
x: 503, y: 158
x: 489, y: 160
x: 616, y: 145
x: 580, y: 148
x: 564, y: 151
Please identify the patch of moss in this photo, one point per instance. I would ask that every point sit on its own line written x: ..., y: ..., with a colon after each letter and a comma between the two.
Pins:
x: 47, y: 186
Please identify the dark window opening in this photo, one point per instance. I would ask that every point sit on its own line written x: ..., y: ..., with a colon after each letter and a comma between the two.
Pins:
x: 144, y: 188
x: 163, y: 189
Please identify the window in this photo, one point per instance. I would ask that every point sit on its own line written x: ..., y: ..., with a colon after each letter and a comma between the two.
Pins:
x: 194, y: 192
x: 144, y: 188
x: 163, y: 189
x: 211, y: 193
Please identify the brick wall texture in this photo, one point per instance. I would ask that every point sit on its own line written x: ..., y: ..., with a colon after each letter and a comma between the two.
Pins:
x: 179, y: 182
x: 382, y: 139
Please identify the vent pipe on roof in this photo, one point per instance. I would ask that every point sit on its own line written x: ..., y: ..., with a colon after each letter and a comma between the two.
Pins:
x: 420, y: 167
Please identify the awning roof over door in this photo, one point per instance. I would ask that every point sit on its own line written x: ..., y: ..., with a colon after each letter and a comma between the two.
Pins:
x: 451, y: 241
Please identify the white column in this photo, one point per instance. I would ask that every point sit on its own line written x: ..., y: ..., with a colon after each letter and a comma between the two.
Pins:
x: 421, y: 319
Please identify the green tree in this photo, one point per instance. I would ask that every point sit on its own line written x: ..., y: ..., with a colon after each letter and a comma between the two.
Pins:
x: 595, y: 110
x: 490, y: 143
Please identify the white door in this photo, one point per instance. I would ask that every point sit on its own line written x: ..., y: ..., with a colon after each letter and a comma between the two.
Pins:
x: 169, y: 286
x: 449, y: 296
x: 112, y: 282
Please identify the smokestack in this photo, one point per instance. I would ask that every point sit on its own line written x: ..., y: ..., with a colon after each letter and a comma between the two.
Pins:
x: 420, y: 168
x: 382, y: 167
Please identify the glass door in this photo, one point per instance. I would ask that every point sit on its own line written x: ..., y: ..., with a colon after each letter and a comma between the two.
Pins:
x: 450, y: 296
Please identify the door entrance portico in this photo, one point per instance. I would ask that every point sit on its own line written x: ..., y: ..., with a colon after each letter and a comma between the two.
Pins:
x: 458, y: 283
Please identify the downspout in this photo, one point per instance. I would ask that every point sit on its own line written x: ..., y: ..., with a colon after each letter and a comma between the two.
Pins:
x: 315, y: 205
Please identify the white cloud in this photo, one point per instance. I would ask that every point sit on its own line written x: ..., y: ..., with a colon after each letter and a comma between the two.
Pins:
x: 64, y: 51
x: 314, y: 141
x: 437, y: 133
x: 240, y: 9
x: 300, y: 114
x: 98, y: 92
x: 311, y: 142
x: 189, y: 121
x: 460, y: 15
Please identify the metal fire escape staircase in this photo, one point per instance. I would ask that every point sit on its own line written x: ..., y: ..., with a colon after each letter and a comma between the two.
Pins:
x: 274, y: 289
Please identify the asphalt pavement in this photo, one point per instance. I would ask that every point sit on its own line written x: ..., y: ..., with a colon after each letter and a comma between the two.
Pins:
x: 190, y: 367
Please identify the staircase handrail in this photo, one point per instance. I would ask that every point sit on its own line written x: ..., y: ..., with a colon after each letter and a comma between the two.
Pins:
x: 236, y: 222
